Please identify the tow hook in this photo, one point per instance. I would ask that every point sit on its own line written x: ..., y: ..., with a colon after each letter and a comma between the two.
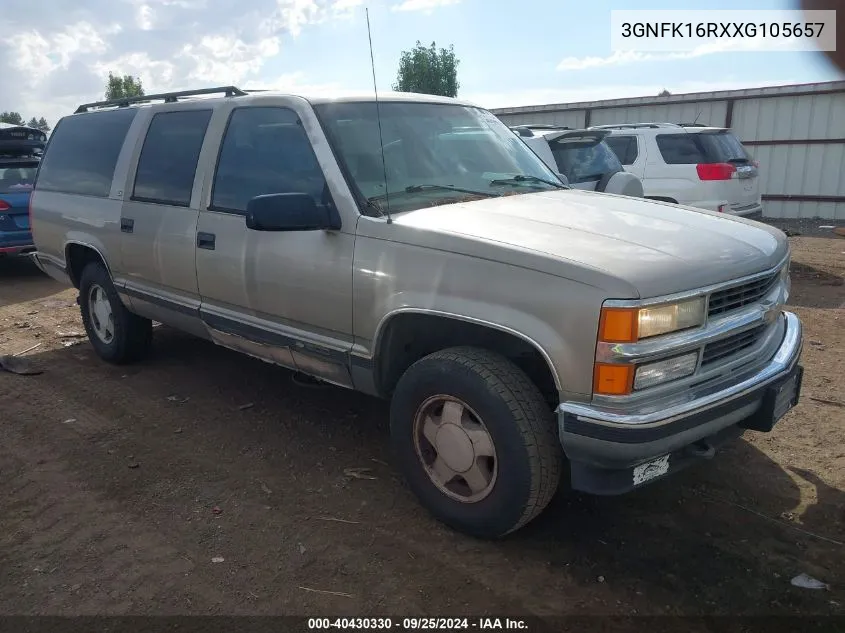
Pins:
x: 702, y: 449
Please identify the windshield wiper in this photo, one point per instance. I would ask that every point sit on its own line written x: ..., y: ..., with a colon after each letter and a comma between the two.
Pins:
x: 524, y: 178
x: 419, y: 188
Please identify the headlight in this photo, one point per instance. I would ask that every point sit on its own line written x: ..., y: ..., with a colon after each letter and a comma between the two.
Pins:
x: 651, y: 374
x: 629, y: 325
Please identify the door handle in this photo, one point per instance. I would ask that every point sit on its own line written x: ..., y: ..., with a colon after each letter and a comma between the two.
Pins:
x: 127, y: 225
x: 206, y: 241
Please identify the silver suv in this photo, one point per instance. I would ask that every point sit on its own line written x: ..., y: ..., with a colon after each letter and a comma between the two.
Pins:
x: 415, y: 249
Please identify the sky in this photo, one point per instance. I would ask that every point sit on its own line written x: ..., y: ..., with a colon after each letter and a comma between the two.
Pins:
x: 56, y: 54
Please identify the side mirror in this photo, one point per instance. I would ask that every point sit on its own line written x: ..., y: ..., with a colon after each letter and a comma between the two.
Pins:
x: 563, y: 178
x: 287, y: 212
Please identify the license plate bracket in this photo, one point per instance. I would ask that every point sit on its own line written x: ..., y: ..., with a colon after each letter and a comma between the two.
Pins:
x: 778, y: 400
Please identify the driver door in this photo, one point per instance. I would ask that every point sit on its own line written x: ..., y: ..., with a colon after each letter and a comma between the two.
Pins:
x: 285, y: 297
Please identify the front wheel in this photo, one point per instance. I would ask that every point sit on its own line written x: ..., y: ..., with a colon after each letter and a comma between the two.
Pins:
x: 475, y: 440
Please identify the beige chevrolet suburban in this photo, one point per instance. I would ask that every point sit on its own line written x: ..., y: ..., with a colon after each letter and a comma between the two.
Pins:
x: 414, y: 248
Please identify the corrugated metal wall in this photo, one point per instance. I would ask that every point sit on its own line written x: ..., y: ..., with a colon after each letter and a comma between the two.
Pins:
x: 796, y: 132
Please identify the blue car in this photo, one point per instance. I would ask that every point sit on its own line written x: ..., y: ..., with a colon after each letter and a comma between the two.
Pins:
x: 20, y: 153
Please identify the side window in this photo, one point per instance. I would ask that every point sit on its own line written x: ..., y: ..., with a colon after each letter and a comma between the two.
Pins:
x: 680, y: 149
x: 168, y: 161
x: 265, y: 150
x: 82, y: 152
x: 625, y: 148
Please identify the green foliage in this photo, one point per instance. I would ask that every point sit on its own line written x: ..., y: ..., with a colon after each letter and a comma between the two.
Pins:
x: 12, y: 118
x: 664, y: 93
x: 15, y: 118
x: 119, y: 87
x: 428, y: 71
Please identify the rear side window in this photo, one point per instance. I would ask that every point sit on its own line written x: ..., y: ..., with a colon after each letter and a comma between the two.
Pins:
x: 82, y: 153
x: 625, y: 148
x: 168, y: 161
x: 265, y: 150
x: 680, y: 149
x: 723, y: 147
x: 701, y: 147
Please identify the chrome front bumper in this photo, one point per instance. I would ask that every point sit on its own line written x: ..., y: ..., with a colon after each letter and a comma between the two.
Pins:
x: 780, y: 365
x: 612, y: 453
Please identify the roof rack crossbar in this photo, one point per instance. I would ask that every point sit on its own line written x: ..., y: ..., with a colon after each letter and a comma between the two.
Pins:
x: 167, y: 97
x: 633, y: 126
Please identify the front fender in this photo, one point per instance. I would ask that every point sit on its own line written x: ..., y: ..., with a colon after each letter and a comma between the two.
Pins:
x: 557, y: 316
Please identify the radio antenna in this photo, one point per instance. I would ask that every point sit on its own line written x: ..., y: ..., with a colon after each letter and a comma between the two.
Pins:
x: 378, y: 118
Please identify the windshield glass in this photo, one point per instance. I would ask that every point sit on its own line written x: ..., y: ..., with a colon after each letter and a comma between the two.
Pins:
x: 583, y: 160
x: 18, y: 177
x: 433, y: 153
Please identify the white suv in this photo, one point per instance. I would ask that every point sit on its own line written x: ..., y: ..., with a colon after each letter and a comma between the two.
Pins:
x: 580, y: 158
x: 693, y: 165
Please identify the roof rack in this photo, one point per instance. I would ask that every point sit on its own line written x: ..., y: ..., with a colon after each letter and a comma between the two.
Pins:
x: 167, y: 97
x: 634, y: 126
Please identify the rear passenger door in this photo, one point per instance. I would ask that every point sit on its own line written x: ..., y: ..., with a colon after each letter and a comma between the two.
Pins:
x: 674, y: 171
x: 627, y: 150
x: 282, y: 296
x: 159, y: 219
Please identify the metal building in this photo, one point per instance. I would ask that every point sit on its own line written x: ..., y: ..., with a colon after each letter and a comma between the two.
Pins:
x: 796, y: 132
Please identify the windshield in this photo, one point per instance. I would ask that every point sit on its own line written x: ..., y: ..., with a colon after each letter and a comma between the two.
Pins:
x: 18, y: 177
x: 433, y: 153
x: 583, y: 160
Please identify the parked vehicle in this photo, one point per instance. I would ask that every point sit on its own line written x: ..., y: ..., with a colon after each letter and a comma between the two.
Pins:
x: 694, y: 165
x: 581, y: 158
x: 20, y: 151
x: 517, y: 326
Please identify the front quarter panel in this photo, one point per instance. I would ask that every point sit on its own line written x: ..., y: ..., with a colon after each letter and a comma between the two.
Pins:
x: 558, y: 316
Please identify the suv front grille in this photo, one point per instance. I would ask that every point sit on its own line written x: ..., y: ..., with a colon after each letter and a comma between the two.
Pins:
x: 728, y: 346
x: 729, y: 299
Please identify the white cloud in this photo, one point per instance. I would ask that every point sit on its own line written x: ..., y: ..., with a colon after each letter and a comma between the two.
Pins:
x: 422, y: 5
x: 49, y: 66
x: 624, y: 57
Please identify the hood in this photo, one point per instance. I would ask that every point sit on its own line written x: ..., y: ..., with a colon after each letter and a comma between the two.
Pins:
x: 657, y: 248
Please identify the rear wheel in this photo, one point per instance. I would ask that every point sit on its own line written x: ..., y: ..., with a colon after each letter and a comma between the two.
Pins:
x: 117, y: 335
x: 475, y: 440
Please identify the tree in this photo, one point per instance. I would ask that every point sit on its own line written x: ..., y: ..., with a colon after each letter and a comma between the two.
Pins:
x: 428, y: 71
x: 664, y: 93
x: 13, y: 118
x: 119, y: 87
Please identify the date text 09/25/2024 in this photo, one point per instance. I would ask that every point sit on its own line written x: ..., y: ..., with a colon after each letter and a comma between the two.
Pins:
x: 418, y: 624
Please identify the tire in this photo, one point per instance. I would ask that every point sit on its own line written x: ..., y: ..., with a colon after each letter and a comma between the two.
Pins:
x: 528, y: 459
x: 131, y: 335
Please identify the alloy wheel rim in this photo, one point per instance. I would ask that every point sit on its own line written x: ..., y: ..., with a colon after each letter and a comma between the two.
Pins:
x: 455, y: 449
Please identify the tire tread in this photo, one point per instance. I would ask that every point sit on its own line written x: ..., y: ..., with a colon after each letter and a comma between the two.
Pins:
x: 531, y: 415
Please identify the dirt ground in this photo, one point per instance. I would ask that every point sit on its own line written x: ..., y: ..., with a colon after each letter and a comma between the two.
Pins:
x: 121, y: 486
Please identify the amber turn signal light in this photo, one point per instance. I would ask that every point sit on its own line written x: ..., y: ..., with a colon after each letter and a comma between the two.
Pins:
x: 613, y: 380
x: 619, y: 325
